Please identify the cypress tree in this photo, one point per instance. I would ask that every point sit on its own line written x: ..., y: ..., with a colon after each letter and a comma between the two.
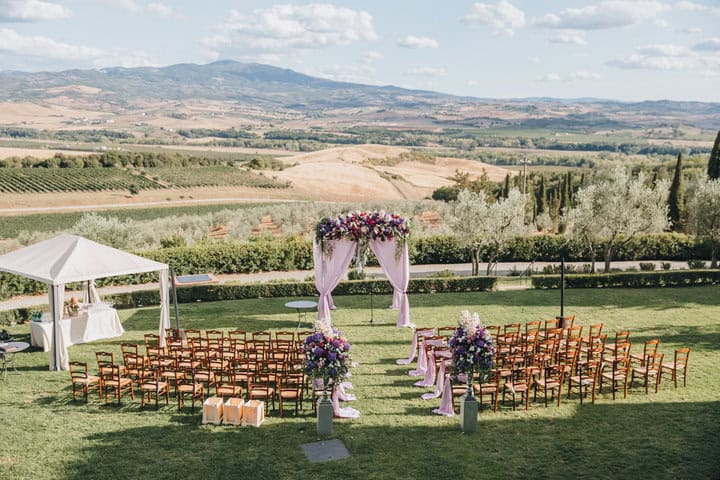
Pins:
x: 542, y: 197
x: 506, y: 188
x: 570, y: 192
x: 713, y: 171
x: 676, y: 199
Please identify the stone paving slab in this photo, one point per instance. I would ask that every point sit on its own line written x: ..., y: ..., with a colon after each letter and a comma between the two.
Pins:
x: 325, y: 451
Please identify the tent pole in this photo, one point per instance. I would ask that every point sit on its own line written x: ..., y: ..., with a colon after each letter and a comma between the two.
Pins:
x: 175, y: 304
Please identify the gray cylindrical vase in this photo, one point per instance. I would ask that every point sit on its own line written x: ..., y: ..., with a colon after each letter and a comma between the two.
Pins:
x: 468, y: 413
x: 324, y: 417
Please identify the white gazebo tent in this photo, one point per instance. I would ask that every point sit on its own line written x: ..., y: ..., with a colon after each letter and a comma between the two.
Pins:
x: 69, y: 258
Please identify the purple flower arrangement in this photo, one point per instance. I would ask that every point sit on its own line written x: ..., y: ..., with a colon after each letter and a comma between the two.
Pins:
x: 327, y: 356
x: 363, y: 226
x: 471, y: 345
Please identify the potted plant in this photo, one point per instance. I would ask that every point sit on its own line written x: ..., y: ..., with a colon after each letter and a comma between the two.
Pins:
x: 327, y: 359
x: 472, y: 351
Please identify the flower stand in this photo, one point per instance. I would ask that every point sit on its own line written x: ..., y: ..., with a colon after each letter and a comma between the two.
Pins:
x: 468, y: 413
x: 324, y: 417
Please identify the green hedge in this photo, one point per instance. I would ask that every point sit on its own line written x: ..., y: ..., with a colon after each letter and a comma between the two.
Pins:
x: 678, y: 278
x: 296, y: 254
x: 211, y: 293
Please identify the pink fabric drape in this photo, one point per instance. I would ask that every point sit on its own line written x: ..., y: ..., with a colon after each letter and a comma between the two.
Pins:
x: 428, y: 332
x: 329, y: 270
x: 421, y: 364
x: 397, y: 299
x: 345, y: 412
x: 397, y: 269
x: 429, y: 379
x: 441, y: 357
x: 446, y: 402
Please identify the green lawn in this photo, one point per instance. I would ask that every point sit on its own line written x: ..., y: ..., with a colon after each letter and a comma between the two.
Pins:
x: 672, y: 434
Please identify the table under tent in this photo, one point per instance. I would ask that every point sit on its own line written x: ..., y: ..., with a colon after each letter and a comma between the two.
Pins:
x: 70, y: 259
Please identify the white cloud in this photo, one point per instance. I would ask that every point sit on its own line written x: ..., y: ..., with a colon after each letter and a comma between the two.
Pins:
x: 38, y: 46
x: 31, y: 11
x: 667, y: 57
x: 690, y: 30
x: 662, y: 23
x: 371, y: 57
x: 153, y: 8
x: 690, y: 6
x: 569, y: 37
x: 301, y: 26
x: 550, y: 77
x: 159, y: 9
x: 534, y: 59
x: 710, y: 45
x: 663, y: 50
x: 504, y: 17
x: 603, y: 15
x: 216, y: 41
x: 427, y: 71
x: 584, y: 75
x: 411, y: 41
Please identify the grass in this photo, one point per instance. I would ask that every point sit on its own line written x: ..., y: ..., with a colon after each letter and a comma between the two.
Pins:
x: 672, y: 434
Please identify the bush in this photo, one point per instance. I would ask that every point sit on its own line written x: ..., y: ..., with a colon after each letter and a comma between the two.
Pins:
x: 677, y: 278
x: 210, y: 293
x: 647, y: 266
x: 356, y: 275
x: 666, y: 266
x: 696, y: 264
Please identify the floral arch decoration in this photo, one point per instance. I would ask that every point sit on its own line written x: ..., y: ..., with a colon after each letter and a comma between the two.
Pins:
x: 338, y: 239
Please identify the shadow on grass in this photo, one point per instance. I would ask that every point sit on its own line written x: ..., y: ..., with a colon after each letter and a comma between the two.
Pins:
x: 650, y: 440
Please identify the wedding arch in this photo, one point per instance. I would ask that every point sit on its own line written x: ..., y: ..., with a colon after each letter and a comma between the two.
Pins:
x: 339, y: 239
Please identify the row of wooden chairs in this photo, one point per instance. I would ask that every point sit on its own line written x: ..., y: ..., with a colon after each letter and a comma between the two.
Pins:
x: 548, y: 360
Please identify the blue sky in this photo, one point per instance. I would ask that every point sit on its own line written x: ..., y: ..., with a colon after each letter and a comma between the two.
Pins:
x: 620, y: 49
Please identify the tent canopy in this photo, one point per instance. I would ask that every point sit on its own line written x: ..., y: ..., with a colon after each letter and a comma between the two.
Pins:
x: 69, y: 258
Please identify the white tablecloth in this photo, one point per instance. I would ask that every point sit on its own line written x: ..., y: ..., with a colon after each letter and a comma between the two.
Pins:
x: 92, y: 323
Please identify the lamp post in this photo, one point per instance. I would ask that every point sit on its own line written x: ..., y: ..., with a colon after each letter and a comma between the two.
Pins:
x: 561, y: 318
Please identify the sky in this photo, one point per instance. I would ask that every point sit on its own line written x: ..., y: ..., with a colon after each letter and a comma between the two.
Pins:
x: 615, y: 49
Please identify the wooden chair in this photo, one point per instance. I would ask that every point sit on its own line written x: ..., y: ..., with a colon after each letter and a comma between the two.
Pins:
x: 595, y: 332
x: 551, y: 381
x: 129, y: 348
x: 489, y: 389
x: 678, y: 367
x: 151, y: 386
x: 616, y: 369
x: 649, y: 348
x: 105, y: 362
x: 152, y: 340
x: 650, y: 369
x: 214, y: 337
x: 446, y: 331
x: 621, y: 337
x: 494, y: 331
x: 228, y: 385
x: 513, y: 328
x: 532, y: 330
x: 188, y: 385
x: 133, y: 364
x: 286, y: 335
x: 80, y: 378
x: 290, y: 389
x: 586, y: 379
x: 520, y: 383
x: 263, y: 336
x: 260, y: 388
x: 111, y: 378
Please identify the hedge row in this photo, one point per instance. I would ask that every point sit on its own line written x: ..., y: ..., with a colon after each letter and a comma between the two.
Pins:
x: 212, y: 293
x: 283, y: 255
x: 678, y: 278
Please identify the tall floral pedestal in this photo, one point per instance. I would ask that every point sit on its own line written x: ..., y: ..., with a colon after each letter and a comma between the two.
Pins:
x: 325, y: 417
x: 468, y: 413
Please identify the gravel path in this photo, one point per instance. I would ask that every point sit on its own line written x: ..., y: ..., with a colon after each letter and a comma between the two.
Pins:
x: 299, y: 275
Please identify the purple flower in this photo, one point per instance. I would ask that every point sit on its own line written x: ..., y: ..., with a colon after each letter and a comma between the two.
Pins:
x: 346, y: 346
x: 331, y: 356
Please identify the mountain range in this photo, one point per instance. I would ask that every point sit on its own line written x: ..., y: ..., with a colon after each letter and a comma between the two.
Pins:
x: 271, y: 89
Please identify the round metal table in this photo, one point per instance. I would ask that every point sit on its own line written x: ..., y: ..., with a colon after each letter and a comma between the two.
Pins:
x: 302, y: 307
x: 7, y: 355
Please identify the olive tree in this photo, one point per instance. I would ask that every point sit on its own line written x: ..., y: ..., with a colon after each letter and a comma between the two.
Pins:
x: 487, y: 228
x: 704, y: 215
x: 616, y: 209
